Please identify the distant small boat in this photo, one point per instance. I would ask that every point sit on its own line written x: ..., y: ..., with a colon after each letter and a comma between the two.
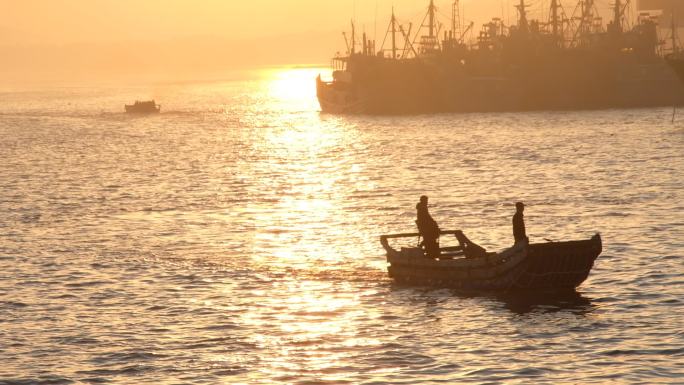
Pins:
x: 553, y: 266
x: 143, y: 107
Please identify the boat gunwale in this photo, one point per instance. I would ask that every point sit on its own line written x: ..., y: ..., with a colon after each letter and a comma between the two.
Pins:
x: 503, y: 270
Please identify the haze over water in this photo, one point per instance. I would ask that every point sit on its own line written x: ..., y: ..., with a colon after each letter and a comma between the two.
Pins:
x: 233, y: 238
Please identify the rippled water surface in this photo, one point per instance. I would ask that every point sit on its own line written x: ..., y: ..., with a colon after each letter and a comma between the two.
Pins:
x: 233, y: 239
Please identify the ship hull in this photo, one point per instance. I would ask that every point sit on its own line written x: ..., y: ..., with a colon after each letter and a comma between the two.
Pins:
x: 337, y: 99
x: 564, y: 82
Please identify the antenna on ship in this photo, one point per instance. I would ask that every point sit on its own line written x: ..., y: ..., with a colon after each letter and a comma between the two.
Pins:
x: 394, y: 35
x: 431, y: 12
x: 585, y: 21
x: 522, y: 24
x: 555, y: 24
x: 392, y: 29
x: 346, y: 42
x: 353, y: 38
x: 675, y: 49
x: 617, y: 16
x: 365, y: 44
x: 588, y: 14
x: 455, y: 20
x: 430, y: 42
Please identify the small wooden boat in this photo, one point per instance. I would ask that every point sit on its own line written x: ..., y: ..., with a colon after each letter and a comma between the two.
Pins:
x: 553, y: 266
x: 145, y: 107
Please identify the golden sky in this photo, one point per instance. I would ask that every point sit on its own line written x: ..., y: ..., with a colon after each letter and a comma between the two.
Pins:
x: 68, y: 21
x: 184, y: 38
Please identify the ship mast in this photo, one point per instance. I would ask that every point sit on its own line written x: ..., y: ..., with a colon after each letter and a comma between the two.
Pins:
x: 554, y: 19
x: 430, y: 42
x: 431, y: 12
x: 353, y: 38
x: 455, y: 20
x: 674, y: 36
x: 367, y: 44
x: 587, y: 14
x: 394, y: 35
x: 522, y: 24
x: 586, y: 20
x: 617, y: 17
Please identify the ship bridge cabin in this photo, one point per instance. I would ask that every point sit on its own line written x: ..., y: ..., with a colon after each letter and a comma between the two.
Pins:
x: 340, y: 66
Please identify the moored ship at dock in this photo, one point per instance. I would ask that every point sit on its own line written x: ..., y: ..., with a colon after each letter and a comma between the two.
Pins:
x: 566, y: 63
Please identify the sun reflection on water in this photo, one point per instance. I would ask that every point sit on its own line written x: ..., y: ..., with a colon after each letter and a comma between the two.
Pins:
x: 295, y: 87
x: 303, y: 178
x: 310, y: 317
x: 306, y: 175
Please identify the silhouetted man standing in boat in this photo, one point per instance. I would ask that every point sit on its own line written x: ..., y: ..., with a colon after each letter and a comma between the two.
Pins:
x: 428, y: 229
x: 519, y: 233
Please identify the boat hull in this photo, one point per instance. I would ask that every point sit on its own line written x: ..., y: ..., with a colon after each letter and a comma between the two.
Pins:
x: 555, y: 266
x: 133, y: 110
x: 149, y: 107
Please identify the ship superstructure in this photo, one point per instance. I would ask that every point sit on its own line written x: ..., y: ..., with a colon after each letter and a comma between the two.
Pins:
x: 573, y: 60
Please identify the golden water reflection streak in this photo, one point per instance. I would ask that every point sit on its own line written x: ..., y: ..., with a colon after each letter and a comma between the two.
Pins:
x: 305, y: 186
x: 311, y: 325
x: 304, y: 175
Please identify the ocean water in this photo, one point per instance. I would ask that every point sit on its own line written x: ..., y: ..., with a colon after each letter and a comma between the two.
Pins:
x: 233, y: 239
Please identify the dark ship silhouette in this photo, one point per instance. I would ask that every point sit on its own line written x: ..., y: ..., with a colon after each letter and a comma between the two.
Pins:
x: 143, y: 107
x: 567, y: 63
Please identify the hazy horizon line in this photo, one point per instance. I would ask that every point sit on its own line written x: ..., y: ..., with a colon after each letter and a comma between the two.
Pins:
x: 191, y: 58
x: 228, y: 75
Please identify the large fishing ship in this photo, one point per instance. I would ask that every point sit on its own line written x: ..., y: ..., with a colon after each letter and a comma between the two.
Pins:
x: 571, y: 61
